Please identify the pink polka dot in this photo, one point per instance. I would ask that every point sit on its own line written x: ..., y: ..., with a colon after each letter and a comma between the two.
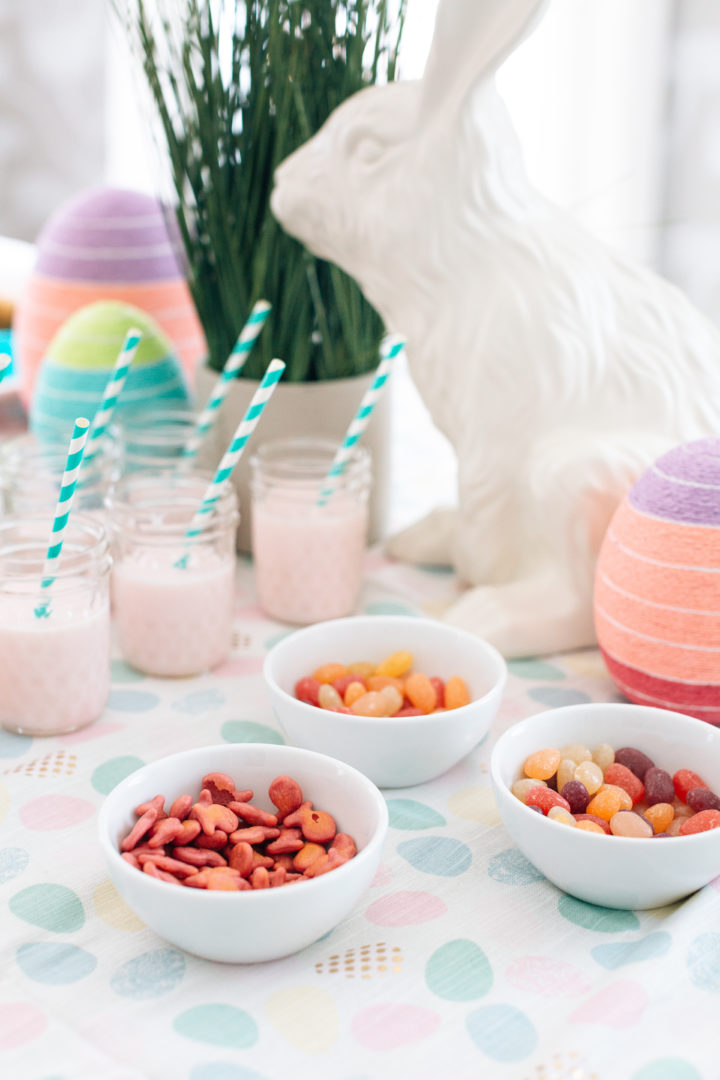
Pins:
x: 383, y: 876
x: 55, y: 812
x: 621, y: 1004
x: 20, y: 1024
x: 385, y: 1027
x: 240, y: 665
x: 251, y: 613
x: 405, y: 909
x: 551, y: 978
x: 94, y: 731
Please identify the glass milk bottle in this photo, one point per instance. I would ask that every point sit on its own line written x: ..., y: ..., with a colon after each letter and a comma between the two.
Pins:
x: 173, y: 598
x: 309, y: 558
x: 31, y: 470
x: 54, y: 669
x: 155, y: 439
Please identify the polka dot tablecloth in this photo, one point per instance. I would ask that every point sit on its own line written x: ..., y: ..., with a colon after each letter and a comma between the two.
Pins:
x: 462, y: 962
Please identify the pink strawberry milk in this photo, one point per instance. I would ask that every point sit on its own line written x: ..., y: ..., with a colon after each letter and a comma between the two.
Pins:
x: 54, y: 669
x: 172, y: 598
x: 309, y: 555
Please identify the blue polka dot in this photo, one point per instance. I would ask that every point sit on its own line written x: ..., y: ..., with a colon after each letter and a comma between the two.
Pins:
x: 592, y: 917
x: 459, y: 971
x: 120, y: 672
x: 13, y: 860
x: 510, y: 867
x: 439, y: 855
x: 409, y: 814
x: 502, y: 1032
x: 132, y: 701
x: 149, y: 975
x: 275, y: 639
x: 218, y: 1024
x: 388, y: 607
x: 223, y: 1070
x: 534, y: 669
x: 703, y: 961
x: 667, y: 1069
x: 247, y: 731
x: 557, y: 696
x: 55, y: 964
x: 199, y: 701
x: 620, y: 953
x: 13, y: 745
x: 108, y: 775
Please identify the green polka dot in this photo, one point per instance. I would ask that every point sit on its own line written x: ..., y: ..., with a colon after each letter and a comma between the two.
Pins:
x: 534, y: 669
x: 459, y: 971
x: 120, y: 672
x: 12, y: 745
x: 220, y: 1025
x: 108, y: 775
x: 592, y: 917
x: 241, y: 731
x: 409, y: 814
x: 53, y: 907
x: 274, y: 639
x: 388, y: 607
x: 667, y: 1069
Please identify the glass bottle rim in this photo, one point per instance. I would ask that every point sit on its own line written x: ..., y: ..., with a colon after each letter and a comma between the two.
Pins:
x: 142, y: 515
x: 303, y: 462
x: 22, y: 559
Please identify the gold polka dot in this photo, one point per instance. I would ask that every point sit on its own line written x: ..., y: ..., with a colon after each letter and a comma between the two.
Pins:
x: 396, y: 968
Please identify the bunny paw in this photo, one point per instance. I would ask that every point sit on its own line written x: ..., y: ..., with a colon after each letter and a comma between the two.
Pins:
x: 429, y: 541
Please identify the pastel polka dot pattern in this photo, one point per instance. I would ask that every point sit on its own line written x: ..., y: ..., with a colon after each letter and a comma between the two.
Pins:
x: 554, y: 697
x: 459, y: 971
x: 620, y: 953
x: 535, y: 669
x: 108, y: 775
x: 475, y: 804
x: 510, y: 867
x: 13, y: 860
x: 12, y: 745
x: 50, y: 812
x: 120, y: 672
x: 405, y: 909
x: 668, y: 1069
x: 55, y: 963
x: 547, y: 976
x: 20, y: 1023
x: 112, y: 909
x: 150, y: 975
x: 387, y: 607
x: 52, y: 907
x: 389, y: 1026
x: 438, y: 855
x: 603, y: 920
x: 219, y: 1025
x: 703, y: 962
x: 199, y: 701
x: 502, y: 1032
x: 248, y: 731
x: 305, y: 1016
x: 409, y: 814
x: 4, y: 801
x: 618, y: 1005
x: 132, y: 701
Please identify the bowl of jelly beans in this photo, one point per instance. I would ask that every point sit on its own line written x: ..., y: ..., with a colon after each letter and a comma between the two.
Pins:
x: 587, y: 793
x: 306, y: 822
x: 402, y: 699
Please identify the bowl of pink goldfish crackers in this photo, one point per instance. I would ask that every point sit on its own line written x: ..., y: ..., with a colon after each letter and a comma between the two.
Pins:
x: 402, y: 699
x: 616, y: 804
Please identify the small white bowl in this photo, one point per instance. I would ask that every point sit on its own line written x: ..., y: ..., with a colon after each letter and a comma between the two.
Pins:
x: 246, y: 927
x: 612, y: 871
x: 392, y: 751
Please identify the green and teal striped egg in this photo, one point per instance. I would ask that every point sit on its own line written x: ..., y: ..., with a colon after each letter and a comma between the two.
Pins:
x: 81, y: 357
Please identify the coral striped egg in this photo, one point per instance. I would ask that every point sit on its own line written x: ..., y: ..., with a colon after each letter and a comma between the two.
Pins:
x: 657, y: 586
x: 106, y: 244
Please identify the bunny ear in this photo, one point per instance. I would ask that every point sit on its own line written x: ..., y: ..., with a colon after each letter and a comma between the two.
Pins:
x: 471, y: 39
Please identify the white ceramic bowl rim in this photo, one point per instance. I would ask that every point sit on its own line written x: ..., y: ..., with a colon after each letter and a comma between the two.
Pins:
x: 427, y: 718
x: 255, y: 896
x: 591, y: 707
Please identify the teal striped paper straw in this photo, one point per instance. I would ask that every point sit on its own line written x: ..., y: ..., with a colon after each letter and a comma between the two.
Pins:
x: 112, y: 392
x: 234, y: 452
x: 62, y: 511
x: 5, y: 362
x: 390, y: 347
x: 235, y: 361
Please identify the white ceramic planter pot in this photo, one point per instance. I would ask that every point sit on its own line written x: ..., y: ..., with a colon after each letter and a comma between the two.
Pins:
x: 313, y: 408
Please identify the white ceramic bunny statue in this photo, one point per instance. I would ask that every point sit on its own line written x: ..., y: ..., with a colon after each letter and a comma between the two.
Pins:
x: 558, y: 370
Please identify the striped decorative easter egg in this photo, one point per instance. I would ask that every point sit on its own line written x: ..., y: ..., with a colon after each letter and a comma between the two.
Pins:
x: 106, y: 244
x: 657, y: 586
x: 81, y: 356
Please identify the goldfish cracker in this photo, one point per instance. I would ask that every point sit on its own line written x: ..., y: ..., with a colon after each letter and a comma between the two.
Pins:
x: 420, y: 692
x: 398, y: 663
x: 328, y: 673
x: 456, y: 693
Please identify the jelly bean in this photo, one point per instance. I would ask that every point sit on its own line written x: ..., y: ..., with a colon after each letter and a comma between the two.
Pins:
x: 603, y: 755
x: 522, y: 788
x: 600, y: 822
x: 362, y: 668
x: 379, y: 682
x: 625, y: 800
x: 675, y: 825
x: 410, y: 710
x: 561, y: 815
x: 659, y: 815
x: 399, y: 663
x: 542, y: 764
x: 457, y: 694
x: 552, y: 782
x: 328, y: 673
x: 589, y: 774
x: 354, y: 691
x: 439, y: 687
x: 393, y: 700
x: 621, y: 776
x: 328, y: 697
x: 658, y: 786
x: 590, y: 826
x: 577, y: 753
x: 420, y: 692
x: 698, y: 799
x: 537, y: 809
x: 565, y: 772
x: 706, y: 819
x: 545, y: 798
x: 628, y: 823
x: 306, y: 690
x: 681, y: 809
x: 607, y: 802
x: 635, y: 760
x: 370, y: 704
x: 345, y: 681
x: 576, y: 795
x: 685, y: 780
